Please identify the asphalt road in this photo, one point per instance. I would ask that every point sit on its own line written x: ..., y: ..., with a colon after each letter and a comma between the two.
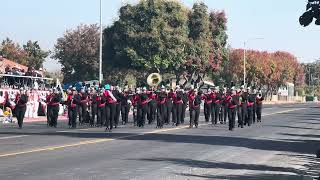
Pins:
x: 281, y: 147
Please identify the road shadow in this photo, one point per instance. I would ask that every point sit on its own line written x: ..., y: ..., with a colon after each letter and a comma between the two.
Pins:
x: 301, y: 135
x: 262, y: 176
x: 284, y: 145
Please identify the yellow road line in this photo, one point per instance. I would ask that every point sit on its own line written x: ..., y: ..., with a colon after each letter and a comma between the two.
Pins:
x: 96, y: 141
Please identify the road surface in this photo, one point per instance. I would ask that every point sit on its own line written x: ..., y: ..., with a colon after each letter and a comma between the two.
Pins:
x: 281, y: 147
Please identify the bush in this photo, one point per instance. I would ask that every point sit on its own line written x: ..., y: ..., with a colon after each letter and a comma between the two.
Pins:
x: 309, y: 98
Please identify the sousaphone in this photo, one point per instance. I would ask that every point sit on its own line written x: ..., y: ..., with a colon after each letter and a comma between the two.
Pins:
x: 154, y: 79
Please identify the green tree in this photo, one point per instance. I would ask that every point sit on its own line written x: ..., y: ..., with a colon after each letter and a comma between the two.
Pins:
x: 36, y: 56
x: 78, y: 53
x: 13, y: 51
x: 149, y: 36
x: 199, y: 45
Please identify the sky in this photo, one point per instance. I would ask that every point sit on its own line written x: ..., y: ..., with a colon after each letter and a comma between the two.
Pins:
x: 274, y: 22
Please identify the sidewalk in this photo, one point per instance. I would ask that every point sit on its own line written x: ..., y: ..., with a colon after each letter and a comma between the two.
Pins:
x: 43, y: 119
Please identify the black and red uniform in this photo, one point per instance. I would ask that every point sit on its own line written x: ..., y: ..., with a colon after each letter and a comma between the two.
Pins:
x: 21, y: 107
x: 259, y: 101
x: 232, y: 106
x: 94, y: 108
x: 55, y: 105
x: 207, y: 106
x: 161, y: 109
x: 142, y: 109
x: 49, y: 107
x: 152, y: 107
x: 191, y: 98
x: 250, y: 106
x: 135, y: 99
x: 110, y: 109
x: 72, y: 102
x: 169, y: 107
x: 178, y: 107
x: 82, y: 108
x: 101, y: 110
x: 125, y: 107
x: 117, y: 95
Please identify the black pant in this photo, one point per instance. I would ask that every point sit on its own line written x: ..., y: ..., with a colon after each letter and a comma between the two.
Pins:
x: 125, y: 113
x: 174, y: 113
x: 250, y: 115
x: 69, y: 117
x: 117, y: 115
x: 169, y: 107
x: 224, y: 113
x: 213, y: 114
x: 142, y: 112
x: 73, y: 117
x: 135, y: 114
x: 184, y: 109
x: 161, y: 115
x: 110, y: 115
x: 54, y: 115
x: 178, y: 112
x: 152, y: 108
x: 258, y: 112
x: 244, y: 114
x: 254, y: 113
x: 232, y: 118
x: 217, y: 113
x: 101, y: 116
x: 48, y: 115
x: 240, y: 120
x: 207, y: 111
x: 20, y: 112
x: 195, y: 116
x: 80, y: 113
x: 94, y: 111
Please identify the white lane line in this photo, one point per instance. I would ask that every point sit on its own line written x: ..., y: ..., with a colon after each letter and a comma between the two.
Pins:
x: 281, y: 112
x: 13, y: 137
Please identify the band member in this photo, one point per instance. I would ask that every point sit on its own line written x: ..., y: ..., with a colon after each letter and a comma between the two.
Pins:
x: 161, y: 107
x: 125, y: 105
x: 48, y: 100
x: 73, y: 101
x: 21, y: 106
x: 135, y: 99
x: 185, y: 105
x: 152, y: 106
x: 169, y: 106
x: 191, y: 97
x: 117, y: 93
x: 101, y: 109
x: 82, y: 107
x: 196, y: 108
x: 55, y: 104
x: 171, y: 96
x: 214, y: 119
x: 110, y: 107
x: 224, y: 107
x: 207, y: 105
x: 251, y: 100
x: 244, y: 105
x: 142, y: 107
x: 232, y: 105
x: 239, y: 108
x: 254, y: 96
x: 178, y: 103
x: 259, y: 101
x: 217, y: 106
x: 94, y: 106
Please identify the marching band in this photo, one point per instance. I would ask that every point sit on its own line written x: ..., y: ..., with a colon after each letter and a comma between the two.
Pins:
x: 103, y: 107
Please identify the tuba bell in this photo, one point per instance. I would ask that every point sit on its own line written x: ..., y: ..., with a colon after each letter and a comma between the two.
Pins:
x: 154, y: 79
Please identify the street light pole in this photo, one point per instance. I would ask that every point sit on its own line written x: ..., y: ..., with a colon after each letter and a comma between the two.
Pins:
x: 244, y: 64
x: 100, y: 47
